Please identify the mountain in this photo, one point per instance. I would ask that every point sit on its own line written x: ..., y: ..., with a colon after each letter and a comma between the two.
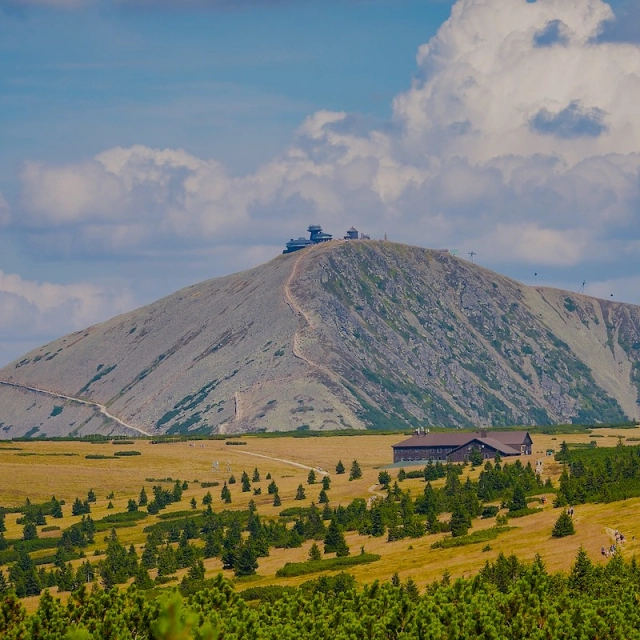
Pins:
x: 341, y: 335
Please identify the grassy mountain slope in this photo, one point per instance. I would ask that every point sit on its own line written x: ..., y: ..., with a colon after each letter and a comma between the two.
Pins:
x: 342, y: 335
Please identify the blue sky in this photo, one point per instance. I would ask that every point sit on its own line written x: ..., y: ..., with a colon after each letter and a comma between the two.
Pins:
x: 146, y: 146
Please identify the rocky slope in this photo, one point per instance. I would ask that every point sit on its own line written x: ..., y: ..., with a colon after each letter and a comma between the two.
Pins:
x: 347, y: 334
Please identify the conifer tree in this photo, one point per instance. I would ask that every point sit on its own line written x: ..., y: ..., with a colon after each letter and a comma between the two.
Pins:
x: 38, y: 517
x: 56, y: 508
x: 300, y: 495
x: 334, y: 540
x: 563, y: 526
x: 460, y: 520
x: 276, y: 499
x: 326, y: 483
x: 377, y: 524
x: 143, y: 500
x: 4, y: 584
x: 208, y: 498
x: 29, y: 531
x: 311, y: 478
x: 314, y: 553
x: 246, y: 484
x: 519, y: 500
x: 3, y: 527
x: 256, y: 475
x: 213, y: 544
x: 91, y: 496
x: 142, y: 579
x: 246, y: 561
x: 193, y: 503
x: 355, y: 472
x: 581, y: 574
x: 340, y: 468
x: 272, y: 488
x: 110, y: 505
x: 411, y: 589
x: 132, y: 506
x: 232, y: 479
x: 323, y: 498
x: 384, y: 479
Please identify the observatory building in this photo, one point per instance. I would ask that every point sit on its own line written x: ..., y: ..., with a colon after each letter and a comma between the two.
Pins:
x: 316, y: 236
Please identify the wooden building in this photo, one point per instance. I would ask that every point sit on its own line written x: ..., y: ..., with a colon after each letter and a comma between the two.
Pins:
x: 456, y: 446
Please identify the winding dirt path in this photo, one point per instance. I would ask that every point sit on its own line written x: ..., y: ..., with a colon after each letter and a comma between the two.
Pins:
x: 290, y: 462
x: 88, y: 403
x: 308, y: 320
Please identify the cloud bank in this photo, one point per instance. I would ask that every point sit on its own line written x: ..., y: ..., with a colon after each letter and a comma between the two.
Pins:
x: 518, y: 138
x: 34, y: 312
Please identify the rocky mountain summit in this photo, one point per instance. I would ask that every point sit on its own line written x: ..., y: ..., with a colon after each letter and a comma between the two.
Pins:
x: 358, y: 334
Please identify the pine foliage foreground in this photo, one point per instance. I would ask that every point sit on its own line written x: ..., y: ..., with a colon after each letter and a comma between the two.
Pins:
x: 507, y: 599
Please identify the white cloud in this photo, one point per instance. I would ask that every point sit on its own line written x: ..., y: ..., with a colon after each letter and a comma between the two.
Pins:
x: 519, y: 135
x: 41, y: 310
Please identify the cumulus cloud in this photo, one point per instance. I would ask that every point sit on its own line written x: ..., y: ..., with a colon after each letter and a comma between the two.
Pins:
x: 40, y: 310
x: 519, y: 134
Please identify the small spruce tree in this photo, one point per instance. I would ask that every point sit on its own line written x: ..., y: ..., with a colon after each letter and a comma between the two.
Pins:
x: 323, y: 498
x: 326, y: 483
x: 311, y: 478
x: 563, y: 526
x: 208, y: 498
x: 194, y: 503
x: 256, y: 475
x: 300, y: 495
x: 356, y: 471
x: 56, y: 509
x: 29, y: 531
x: 276, y: 499
x: 334, y: 540
x: 519, y: 500
x: 132, y: 505
x: 143, y: 500
x: 314, y: 553
x: 91, y: 496
x: 340, y: 468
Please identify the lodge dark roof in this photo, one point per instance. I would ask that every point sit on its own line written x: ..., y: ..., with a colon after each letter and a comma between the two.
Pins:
x: 504, y: 441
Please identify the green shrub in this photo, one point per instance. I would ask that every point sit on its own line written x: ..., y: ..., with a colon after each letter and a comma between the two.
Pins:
x: 473, y: 538
x: 293, y: 569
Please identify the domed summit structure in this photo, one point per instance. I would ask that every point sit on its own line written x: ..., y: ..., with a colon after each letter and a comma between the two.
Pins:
x: 316, y: 236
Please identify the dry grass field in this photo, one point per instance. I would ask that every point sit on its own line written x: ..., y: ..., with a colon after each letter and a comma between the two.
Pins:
x: 39, y: 470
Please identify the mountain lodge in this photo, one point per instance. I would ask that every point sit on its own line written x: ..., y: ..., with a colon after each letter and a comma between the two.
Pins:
x: 456, y: 446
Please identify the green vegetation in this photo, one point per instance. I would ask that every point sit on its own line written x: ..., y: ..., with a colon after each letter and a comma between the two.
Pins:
x: 293, y: 569
x: 507, y: 600
x: 484, y: 535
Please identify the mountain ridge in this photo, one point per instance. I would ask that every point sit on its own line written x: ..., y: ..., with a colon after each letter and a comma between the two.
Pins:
x: 342, y: 335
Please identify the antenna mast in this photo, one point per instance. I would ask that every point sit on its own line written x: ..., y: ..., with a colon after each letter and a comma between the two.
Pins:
x: 471, y: 254
x: 584, y: 284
